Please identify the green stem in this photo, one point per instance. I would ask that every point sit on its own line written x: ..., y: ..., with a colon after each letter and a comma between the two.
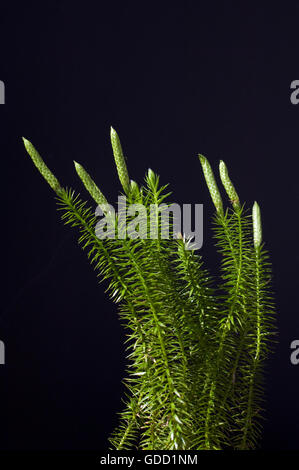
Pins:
x: 159, y: 331
x: 257, y: 349
x: 211, y: 404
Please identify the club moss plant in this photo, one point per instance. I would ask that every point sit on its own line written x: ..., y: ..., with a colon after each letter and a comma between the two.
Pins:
x: 197, y: 342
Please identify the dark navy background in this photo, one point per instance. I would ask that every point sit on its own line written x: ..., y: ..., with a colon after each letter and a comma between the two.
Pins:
x: 173, y: 79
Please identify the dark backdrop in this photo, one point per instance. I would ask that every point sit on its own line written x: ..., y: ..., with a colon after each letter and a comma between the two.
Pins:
x: 174, y: 79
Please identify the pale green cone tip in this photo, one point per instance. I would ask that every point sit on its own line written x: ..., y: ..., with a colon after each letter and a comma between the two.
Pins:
x: 152, y: 177
x: 211, y: 183
x: 257, y: 225
x: 90, y: 185
x: 150, y: 174
x: 120, y: 161
x: 42, y: 167
x: 228, y: 185
x: 134, y: 187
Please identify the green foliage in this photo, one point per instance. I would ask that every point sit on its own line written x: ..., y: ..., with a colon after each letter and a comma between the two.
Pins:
x: 197, y: 342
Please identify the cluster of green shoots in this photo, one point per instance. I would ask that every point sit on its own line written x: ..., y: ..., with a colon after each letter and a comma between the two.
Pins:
x: 197, y: 342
